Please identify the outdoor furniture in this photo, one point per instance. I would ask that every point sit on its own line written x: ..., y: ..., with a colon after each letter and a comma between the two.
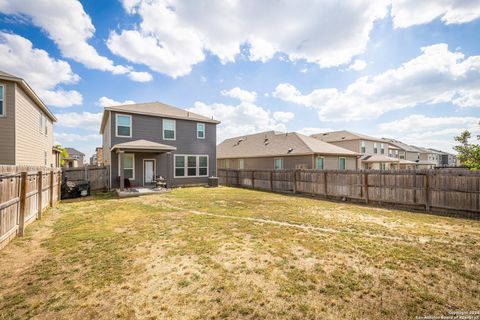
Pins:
x: 160, y: 182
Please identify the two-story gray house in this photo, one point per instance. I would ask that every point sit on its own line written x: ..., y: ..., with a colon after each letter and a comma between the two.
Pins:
x: 147, y: 140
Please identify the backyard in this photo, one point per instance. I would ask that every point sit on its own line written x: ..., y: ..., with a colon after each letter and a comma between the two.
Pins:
x: 200, y: 253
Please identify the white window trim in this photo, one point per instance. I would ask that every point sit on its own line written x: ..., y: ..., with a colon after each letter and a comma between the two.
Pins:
x: 185, y: 165
x: 363, y: 147
x: 4, y: 114
x: 344, y: 158
x: 116, y: 125
x: 154, y: 169
x: 274, y: 160
x: 174, y: 129
x: 45, y: 123
x: 133, y: 164
x: 316, y: 159
x: 204, y: 130
x: 241, y: 161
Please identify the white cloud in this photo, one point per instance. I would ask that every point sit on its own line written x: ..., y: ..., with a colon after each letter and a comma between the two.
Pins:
x: 282, y: 116
x: 426, y: 131
x: 357, y: 65
x: 70, y: 27
x: 80, y: 120
x: 243, y: 118
x: 107, y: 102
x: 140, y: 76
x: 436, y: 76
x: 42, y: 72
x: 406, y: 13
x: 173, y: 35
x: 242, y: 95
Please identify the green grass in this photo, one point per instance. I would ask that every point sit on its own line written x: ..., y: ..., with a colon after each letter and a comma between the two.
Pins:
x: 200, y: 253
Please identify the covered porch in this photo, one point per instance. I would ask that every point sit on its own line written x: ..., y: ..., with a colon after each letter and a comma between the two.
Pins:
x: 142, y: 166
x: 379, y: 162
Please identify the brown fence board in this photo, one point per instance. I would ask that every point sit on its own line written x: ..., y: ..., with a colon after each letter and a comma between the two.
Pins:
x: 448, y: 191
x: 97, y: 176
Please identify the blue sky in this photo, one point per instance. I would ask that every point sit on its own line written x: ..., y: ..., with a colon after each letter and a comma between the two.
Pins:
x: 393, y: 68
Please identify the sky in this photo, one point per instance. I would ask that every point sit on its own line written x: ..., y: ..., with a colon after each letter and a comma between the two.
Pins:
x: 403, y: 69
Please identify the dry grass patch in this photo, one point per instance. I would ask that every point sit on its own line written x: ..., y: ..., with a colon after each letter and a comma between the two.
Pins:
x: 230, y: 253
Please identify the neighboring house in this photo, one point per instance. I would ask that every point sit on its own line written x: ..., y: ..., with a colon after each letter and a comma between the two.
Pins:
x: 445, y: 159
x: 94, y: 160
x: 429, y: 159
x: 406, y: 152
x: 26, y: 125
x: 99, y: 156
x: 375, y: 152
x: 75, y: 158
x: 149, y: 140
x: 276, y: 150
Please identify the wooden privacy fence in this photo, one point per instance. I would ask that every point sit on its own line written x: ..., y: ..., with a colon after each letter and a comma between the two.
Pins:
x: 97, y: 176
x: 453, y: 192
x: 24, y: 195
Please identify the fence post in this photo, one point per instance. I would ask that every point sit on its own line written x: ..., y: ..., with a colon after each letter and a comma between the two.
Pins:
x: 325, y: 182
x: 294, y: 180
x: 427, y: 191
x: 59, y: 185
x: 366, y: 187
x: 23, y: 198
x: 51, y: 188
x: 40, y: 194
x: 253, y: 179
x: 271, y: 180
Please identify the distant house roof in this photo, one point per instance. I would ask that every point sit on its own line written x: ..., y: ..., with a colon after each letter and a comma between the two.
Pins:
x: 343, y: 135
x: 74, y: 152
x: 143, y: 145
x: 402, y: 145
x: 24, y: 85
x: 156, y: 109
x: 273, y: 143
x: 378, y: 158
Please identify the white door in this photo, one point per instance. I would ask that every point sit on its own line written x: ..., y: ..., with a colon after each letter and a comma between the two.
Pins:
x: 148, y: 171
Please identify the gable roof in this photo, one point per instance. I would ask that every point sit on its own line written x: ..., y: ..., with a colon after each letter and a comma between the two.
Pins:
x: 379, y: 158
x: 73, y: 151
x: 156, y: 109
x: 402, y: 145
x: 24, y: 85
x: 273, y: 143
x: 343, y: 135
x: 143, y: 145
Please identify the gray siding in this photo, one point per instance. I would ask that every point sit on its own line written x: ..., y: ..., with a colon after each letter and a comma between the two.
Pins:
x: 150, y: 128
x: 7, y: 125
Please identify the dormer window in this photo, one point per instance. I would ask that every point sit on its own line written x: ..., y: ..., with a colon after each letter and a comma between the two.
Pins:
x: 123, y: 125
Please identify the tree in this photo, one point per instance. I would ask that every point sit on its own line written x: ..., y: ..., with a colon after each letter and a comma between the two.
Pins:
x: 468, y: 153
x: 63, y: 154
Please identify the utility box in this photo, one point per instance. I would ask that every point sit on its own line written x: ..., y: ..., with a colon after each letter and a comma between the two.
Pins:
x: 213, y: 182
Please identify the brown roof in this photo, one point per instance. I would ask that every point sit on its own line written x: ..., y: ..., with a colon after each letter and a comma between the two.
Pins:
x: 401, y: 145
x: 343, y: 135
x: 156, y: 109
x: 379, y: 158
x: 272, y: 143
x: 24, y: 85
x: 143, y: 145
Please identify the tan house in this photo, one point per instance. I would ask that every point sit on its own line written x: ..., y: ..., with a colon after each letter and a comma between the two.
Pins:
x: 26, y: 125
x: 277, y: 150
x: 375, y: 152
x: 75, y: 158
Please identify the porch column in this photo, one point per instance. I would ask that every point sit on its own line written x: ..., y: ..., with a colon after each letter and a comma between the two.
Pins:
x: 122, y: 176
x: 169, y: 170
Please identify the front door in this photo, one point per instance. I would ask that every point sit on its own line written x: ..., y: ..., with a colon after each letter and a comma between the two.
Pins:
x: 148, y: 171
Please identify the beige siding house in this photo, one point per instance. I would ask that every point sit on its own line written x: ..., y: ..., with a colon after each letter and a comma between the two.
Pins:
x: 26, y: 125
x: 276, y: 150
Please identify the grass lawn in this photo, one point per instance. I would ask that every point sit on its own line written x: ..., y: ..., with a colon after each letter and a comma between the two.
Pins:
x: 199, y: 253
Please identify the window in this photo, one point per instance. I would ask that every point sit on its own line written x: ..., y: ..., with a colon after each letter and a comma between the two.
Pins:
x: 45, y: 157
x: 278, y: 163
x: 123, y: 125
x: 128, y: 165
x: 320, y: 163
x: 2, y: 101
x: 226, y: 164
x: 191, y: 166
x: 382, y: 148
x: 363, y: 147
x: 40, y: 122
x: 201, y: 130
x: 46, y: 125
x: 382, y: 166
x: 375, y: 149
x: 241, y: 164
x: 168, y: 129
x: 342, y: 165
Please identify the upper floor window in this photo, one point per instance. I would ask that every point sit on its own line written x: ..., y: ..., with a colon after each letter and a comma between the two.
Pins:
x: 241, y: 164
x: 375, y: 149
x: 320, y: 163
x: 363, y: 147
x: 2, y: 101
x: 226, y: 163
x: 278, y: 163
x: 201, y: 130
x: 382, y: 148
x: 168, y: 129
x: 46, y: 124
x: 123, y: 125
x: 40, y: 122
x: 342, y: 163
